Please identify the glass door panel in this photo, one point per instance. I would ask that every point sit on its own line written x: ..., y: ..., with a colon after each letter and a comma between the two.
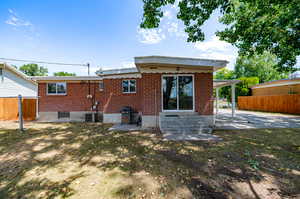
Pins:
x: 178, y: 92
x: 170, y: 93
x: 185, y: 92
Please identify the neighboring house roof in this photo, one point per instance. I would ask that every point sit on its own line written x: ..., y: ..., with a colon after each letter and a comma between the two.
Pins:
x: 66, y: 78
x: 221, y: 83
x: 181, y: 61
x: 16, y: 72
x: 275, y: 83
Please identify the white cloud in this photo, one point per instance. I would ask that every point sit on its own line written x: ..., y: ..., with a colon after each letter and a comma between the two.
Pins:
x: 213, y: 44
x: 214, y: 48
x: 169, y: 27
x: 16, y: 21
x: 174, y: 29
x: 150, y: 36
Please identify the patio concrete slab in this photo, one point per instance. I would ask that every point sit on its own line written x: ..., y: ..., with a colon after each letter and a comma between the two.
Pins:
x: 252, y: 120
x: 125, y: 127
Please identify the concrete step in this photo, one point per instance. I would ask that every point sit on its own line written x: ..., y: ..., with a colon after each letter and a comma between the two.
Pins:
x: 183, y: 124
x: 179, y: 122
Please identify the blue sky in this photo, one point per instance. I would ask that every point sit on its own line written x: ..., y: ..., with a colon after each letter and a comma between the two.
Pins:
x: 104, y: 33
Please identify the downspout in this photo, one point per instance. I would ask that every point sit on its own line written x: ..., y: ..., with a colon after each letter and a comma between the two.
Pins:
x: 37, y: 102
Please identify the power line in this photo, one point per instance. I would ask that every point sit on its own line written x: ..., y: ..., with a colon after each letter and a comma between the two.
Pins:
x: 43, y: 62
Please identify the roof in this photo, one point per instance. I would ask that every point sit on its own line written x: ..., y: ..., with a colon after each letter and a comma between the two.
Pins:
x: 117, y: 71
x: 221, y: 83
x: 282, y: 82
x: 183, y: 61
x: 17, y: 72
x: 66, y: 78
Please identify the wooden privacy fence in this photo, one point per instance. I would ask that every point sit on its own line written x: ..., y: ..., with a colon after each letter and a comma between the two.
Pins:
x: 9, y: 109
x: 273, y: 103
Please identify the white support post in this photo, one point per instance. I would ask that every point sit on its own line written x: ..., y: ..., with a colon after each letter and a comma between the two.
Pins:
x: 217, y: 101
x: 233, y: 100
x: 20, y: 113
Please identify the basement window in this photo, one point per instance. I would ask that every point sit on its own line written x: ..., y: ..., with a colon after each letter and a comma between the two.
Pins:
x: 63, y: 115
x: 58, y: 88
x: 129, y: 86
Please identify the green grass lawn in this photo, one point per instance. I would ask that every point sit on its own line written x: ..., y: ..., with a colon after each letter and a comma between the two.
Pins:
x: 79, y: 160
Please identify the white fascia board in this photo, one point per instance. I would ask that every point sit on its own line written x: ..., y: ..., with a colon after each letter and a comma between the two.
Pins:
x: 216, y: 64
x: 122, y: 76
x: 67, y: 78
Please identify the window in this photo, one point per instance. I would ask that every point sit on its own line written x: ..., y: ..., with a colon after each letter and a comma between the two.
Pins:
x: 59, y: 88
x: 101, y: 86
x: 1, y: 74
x: 63, y: 115
x: 129, y: 86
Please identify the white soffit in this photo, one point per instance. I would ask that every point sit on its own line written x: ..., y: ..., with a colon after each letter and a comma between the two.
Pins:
x: 184, y: 61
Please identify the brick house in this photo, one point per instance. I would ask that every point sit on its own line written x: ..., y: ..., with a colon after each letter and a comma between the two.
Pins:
x: 158, y: 86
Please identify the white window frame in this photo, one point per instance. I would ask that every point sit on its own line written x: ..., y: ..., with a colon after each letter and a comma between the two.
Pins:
x: 1, y: 74
x: 65, y: 83
x: 129, y: 86
x: 101, y: 89
x: 162, y: 93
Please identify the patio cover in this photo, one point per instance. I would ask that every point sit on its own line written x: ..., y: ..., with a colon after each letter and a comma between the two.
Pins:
x: 221, y: 83
x: 217, y: 84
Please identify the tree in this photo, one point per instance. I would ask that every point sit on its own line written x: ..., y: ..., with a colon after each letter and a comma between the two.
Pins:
x: 253, y: 26
x: 261, y: 66
x: 242, y: 88
x: 62, y: 73
x: 224, y: 74
x: 34, y: 70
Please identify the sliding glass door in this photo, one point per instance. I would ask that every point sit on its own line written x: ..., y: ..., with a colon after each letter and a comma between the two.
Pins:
x: 178, y: 92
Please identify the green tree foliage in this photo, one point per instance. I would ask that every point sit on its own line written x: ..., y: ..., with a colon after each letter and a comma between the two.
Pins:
x: 261, y: 66
x: 62, y: 73
x: 224, y: 74
x: 242, y: 88
x: 253, y: 26
x: 34, y: 70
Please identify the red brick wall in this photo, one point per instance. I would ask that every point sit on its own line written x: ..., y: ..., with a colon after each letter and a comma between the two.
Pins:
x: 75, y: 100
x: 204, y: 93
x: 151, y: 93
x: 114, y: 99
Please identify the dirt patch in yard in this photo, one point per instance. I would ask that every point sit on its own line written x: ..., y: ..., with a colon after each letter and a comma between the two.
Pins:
x: 80, y: 160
